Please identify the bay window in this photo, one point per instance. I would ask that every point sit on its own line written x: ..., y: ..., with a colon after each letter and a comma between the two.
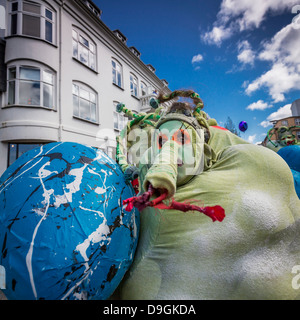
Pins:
x: 32, y: 19
x: 30, y: 86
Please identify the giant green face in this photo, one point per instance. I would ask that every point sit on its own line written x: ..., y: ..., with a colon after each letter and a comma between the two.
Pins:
x: 190, y: 152
x: 285, y: 136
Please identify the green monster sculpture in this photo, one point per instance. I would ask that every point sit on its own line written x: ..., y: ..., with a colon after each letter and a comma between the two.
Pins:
x: 192, y: 174
x: 285, y: 138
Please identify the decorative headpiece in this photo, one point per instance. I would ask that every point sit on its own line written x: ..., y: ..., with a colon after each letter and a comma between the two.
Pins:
x: 197, y: 118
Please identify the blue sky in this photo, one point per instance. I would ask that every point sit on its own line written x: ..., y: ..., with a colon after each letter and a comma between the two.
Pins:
x: 241, y: 56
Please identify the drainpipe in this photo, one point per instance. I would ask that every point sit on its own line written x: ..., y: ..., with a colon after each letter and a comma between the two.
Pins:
x: 60, y: 72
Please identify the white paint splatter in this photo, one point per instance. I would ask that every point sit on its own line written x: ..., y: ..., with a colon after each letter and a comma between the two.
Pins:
x: 100, y: 190
x: 72, y: 187
x: 46, y: 201
x: 22, y: 172
x: 97, y: 236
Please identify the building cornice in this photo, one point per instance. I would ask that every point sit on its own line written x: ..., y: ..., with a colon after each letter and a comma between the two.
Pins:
x: 291, y: 117
x: 111, y: 39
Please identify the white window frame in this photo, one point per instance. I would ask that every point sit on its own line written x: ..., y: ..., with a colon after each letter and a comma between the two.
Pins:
x: 284, y: 123
x: 43, y: 17
x: 133, y: 85
x: 87, y: 95
x: 43, y: 84
x: 81, y: 42
x: 117, y: 73
x: 297, y: 121
x: 121, y: 119
x: 143, y: 89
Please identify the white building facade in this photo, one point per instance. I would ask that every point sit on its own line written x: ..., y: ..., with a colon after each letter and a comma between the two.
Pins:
x: 62, y: 72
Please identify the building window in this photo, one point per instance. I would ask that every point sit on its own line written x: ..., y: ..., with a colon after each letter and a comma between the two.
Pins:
x: 133, y: 85
x: 298, y: 135
x: 15, y: 150
x: 84, y: 49
x: 143, y: 89
x: 116, y: 73
x: 297, y: 122
x: 284, y: 122
x: 119, y: 119
x: 30, y: 86
x: 84, y: 102
x: 32, y: 19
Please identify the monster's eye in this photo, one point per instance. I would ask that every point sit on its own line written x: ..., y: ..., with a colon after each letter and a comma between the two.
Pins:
x: 161, y: 139
x: 181, y: 136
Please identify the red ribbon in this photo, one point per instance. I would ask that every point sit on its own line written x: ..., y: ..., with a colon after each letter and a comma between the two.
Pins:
x: 216, y: 213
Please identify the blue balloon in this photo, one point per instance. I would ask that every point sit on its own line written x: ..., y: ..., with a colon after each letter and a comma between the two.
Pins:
x: 63, y: 231
x: 243, y: 126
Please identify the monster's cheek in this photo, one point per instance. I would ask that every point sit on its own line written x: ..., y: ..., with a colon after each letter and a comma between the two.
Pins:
x: 185, y: 162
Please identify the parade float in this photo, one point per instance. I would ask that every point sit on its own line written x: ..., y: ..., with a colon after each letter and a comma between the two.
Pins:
x: 288, y: 147
x: 189, y: 211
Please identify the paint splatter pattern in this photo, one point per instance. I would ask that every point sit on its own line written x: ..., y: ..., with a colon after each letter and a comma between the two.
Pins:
x: 63, y: 231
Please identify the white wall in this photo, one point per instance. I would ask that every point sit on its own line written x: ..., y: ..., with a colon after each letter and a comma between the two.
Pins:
x: 25, y: 124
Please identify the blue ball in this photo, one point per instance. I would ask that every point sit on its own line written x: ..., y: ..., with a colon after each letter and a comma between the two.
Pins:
x: 291, y: 155
x: 243, y: 126
x: 63, y: 231
x: 296, y: 176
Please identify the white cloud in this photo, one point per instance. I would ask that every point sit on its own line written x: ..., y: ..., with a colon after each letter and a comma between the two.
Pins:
x: 251, y: 138
x: 265, y: 123
x: 197, y: 58
x: 239, y: 15
x: 284, y: 46
x: 283, y: 51
x: 281, y: 113
x: 245, y: 53
x: 259, y: 105
x: 217, y: 35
